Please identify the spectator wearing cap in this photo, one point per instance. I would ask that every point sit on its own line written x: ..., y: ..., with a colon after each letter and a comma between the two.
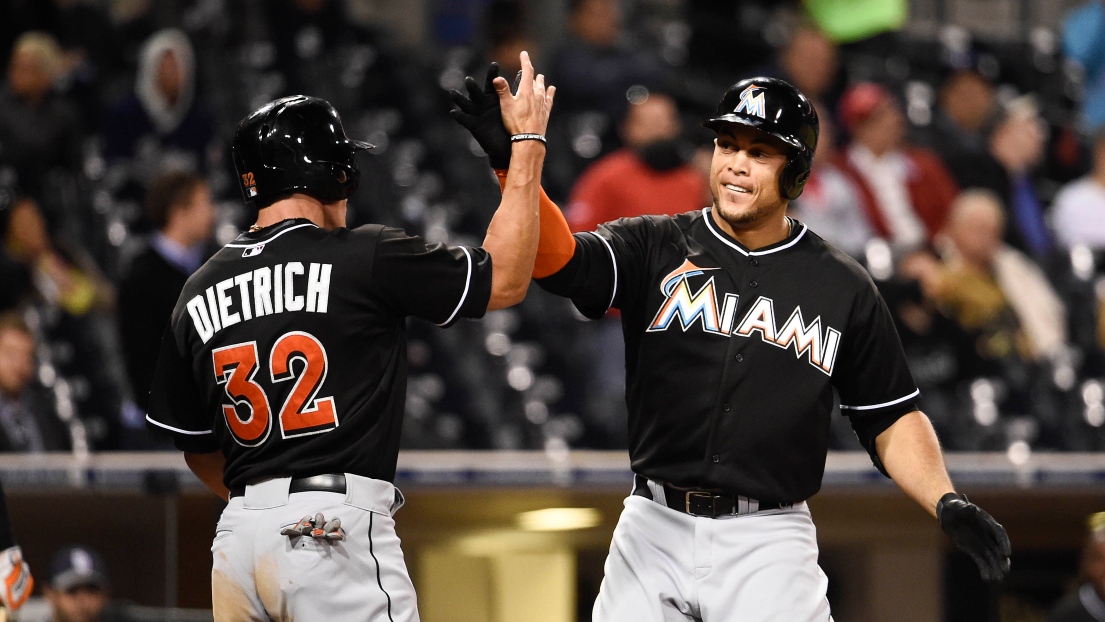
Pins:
x: 908, y: 188
x: 1087, y: 604
x: 78, y: 589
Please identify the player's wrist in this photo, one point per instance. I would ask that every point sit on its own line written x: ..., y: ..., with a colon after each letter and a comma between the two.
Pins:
x: 942, y: 504
x: 524, y: 136
x: 528, y: 150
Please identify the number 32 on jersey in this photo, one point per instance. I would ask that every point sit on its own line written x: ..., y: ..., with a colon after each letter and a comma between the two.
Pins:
x: 295, y: 355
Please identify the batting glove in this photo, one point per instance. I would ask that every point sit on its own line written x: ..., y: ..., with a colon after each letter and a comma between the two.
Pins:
x: 17, y: 578
x: 481, y: 115
x: 317, y: 527
x: 977, y: 534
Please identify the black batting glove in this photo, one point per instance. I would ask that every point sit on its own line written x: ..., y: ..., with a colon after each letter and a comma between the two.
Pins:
x: 977, y: 534
x: 480, y: 114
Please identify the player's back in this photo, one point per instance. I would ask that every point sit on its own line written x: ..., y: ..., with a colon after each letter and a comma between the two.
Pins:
x: 295, y: 336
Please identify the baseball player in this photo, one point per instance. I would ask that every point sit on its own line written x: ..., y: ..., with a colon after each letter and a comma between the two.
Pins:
x: 740, y: 325
x: 282, y: 375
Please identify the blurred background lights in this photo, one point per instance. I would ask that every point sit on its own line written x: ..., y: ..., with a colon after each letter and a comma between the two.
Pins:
x: 559, y: 519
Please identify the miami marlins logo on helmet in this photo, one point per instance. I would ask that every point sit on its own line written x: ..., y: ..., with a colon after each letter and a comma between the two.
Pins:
x: 752, y: 101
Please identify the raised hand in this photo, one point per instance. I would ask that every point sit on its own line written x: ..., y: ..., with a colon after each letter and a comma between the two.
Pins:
x: 527, y: 111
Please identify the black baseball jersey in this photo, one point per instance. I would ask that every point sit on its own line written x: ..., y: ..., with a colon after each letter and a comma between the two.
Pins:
x: 287, y: 349
x: 732, y: 355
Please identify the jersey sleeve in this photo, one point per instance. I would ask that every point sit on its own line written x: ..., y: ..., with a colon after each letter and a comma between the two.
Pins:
x: 435, y: 282
x: 872, y: 376
x: 176, y: 404
x: 608, y: 268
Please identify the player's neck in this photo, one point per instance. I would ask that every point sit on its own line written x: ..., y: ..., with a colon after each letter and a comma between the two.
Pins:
x: 325, y: 215
x: 752, y: 236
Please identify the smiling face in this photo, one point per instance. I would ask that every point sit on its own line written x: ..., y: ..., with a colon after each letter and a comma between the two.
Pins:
x: 744, y: 176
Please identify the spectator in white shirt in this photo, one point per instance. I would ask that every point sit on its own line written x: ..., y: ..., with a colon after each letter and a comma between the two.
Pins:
x: 1078, y: 213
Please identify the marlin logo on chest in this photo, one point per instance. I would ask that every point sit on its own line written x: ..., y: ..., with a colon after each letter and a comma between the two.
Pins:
x: 690, y: 306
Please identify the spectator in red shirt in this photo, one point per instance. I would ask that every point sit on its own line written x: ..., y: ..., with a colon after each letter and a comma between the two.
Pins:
x: 910, y: 188
x: 649, y: 175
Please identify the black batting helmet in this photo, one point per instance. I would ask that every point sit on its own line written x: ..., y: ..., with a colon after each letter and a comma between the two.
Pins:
x: 295, y: 144
x: 777, y: 108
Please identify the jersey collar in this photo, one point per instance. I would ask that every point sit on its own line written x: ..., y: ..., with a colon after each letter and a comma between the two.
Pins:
x: 269, y: 233
x: 797, y: 232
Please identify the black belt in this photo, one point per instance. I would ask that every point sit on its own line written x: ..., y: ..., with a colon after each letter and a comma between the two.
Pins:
x: 706, y: 503
x: 315, y: 483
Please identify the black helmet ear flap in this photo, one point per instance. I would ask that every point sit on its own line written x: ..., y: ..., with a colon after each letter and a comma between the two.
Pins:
x: 795, y: 174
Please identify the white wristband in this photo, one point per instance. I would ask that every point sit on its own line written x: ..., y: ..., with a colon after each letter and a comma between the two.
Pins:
x: 518, y: 137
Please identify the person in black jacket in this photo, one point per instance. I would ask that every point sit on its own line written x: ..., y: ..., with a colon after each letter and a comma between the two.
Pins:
x: 179, y: 207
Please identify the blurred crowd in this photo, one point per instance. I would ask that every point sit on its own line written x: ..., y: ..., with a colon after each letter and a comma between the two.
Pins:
x: 967, y: 175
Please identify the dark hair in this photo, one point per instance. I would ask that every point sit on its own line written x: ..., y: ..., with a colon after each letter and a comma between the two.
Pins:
x: 167, y: 192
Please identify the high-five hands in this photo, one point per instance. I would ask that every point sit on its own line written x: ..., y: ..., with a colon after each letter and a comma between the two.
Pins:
x: 492, y: 114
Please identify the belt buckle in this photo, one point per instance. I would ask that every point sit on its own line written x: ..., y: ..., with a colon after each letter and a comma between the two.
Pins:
x: 693, y: 494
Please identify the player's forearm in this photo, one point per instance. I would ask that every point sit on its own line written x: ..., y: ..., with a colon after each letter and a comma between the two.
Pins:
x: 209, y: 469
x: 911, y: 454
x: 555, y: 243
x: 512, y: 235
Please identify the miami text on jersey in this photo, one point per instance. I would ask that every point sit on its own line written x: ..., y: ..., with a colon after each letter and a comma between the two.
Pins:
x: 263, y: 291
x: 818, y: 344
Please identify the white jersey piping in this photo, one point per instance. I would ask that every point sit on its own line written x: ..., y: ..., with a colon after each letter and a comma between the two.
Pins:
x: 276, y: 235
x: 710, y: 226
x: 178, y: 430
x: 613, y: 260
x: 467, y: 284
x: 915, y: 393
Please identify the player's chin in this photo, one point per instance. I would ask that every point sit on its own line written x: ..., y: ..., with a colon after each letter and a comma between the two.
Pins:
x: 740, y: 211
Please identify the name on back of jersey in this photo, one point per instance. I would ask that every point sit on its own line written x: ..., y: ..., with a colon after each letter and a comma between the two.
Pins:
x: 283, y: 288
